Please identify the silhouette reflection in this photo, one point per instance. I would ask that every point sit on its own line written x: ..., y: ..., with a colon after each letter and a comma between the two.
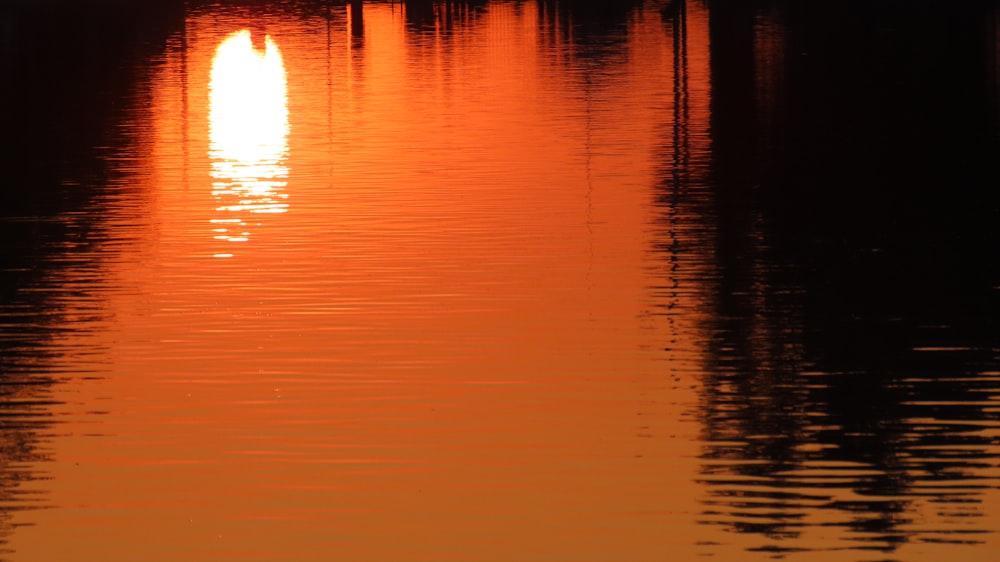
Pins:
x: 846, y: 401
x: 442, y: 16
x: 357, y: 21
x: 595, y: 25
x: 65, y: 67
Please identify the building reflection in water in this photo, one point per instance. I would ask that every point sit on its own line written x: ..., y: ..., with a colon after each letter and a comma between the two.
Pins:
x: 248, y: 133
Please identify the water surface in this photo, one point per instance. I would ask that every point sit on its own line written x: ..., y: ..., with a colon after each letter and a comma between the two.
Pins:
x: 499, y: 281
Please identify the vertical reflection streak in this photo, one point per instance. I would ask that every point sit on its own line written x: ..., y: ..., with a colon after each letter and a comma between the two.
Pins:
x: 681, y: 148
x: 185, y: 109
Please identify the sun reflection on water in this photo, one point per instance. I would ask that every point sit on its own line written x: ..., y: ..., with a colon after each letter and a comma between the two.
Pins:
x: 248, y: 133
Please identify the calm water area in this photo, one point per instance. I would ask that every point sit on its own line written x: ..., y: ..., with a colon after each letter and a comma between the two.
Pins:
x: 499, y: 280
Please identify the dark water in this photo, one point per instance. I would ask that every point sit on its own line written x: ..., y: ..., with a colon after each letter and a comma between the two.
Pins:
x: 499, y: 280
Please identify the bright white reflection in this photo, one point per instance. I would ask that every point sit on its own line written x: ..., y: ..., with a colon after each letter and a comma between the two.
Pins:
x: 248, y: 132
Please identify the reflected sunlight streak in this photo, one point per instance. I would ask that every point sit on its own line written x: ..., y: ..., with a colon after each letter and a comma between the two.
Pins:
x: 248, y: 131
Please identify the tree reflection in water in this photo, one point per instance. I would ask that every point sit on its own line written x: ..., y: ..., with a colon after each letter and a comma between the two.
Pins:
x: 851, y: 374
x: 52, y: 185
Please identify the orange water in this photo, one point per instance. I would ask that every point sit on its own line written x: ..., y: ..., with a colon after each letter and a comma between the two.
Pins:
x: 448, y: 293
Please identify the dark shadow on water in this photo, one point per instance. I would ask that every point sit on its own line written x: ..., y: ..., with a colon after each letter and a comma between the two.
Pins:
x: 600, y: 27
x: 442, y: 16
x: 357, y: 21
x: 63, y: 66
x: 852, y: 155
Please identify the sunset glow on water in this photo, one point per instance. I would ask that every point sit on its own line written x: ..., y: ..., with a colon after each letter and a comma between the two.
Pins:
x: 248, y: 132
x: 495, y: 281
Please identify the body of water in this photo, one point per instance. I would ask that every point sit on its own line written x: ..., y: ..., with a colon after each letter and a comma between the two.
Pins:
x: 499, y: 280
